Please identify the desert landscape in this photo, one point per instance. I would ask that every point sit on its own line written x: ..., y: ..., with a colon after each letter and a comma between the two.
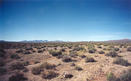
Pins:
x: 65, y: 61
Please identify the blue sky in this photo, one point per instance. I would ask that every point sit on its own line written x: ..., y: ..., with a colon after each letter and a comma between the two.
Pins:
x: 69, y: 20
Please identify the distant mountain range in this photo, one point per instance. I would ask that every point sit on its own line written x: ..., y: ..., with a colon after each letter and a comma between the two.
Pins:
x: 120, y: 41
x: 44, y: 41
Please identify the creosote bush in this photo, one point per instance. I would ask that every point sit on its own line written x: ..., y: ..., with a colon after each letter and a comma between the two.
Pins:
x: 17, y: 65
x: 90, y: 59
x: 37, y: 70
x: 116, y: 49
x: 18, y: 77
x: 15, y: 56
x: 49, y: 74
x: 129, y: 49
x: 112, y: 54
x: 78, y: 68
x: 101, y: 52
x: 68, y: 75
x: 2, y: 53
x: 55, y: 53
x: 2, y: 71
x: 125, y: 76
x: 121, y: 61
x: 66, y: 59
x: 2, y: 63
x: 111, y: 77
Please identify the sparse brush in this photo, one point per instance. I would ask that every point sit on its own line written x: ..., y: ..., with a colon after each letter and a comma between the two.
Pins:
x: 78, y: 68
x: 116, y: 49
x: 49, y: 74
x: 129, y: 49
x: 18, y: 77
x: 15, y: 56
x: 121, y: 61
x: 2, y: 71
x: 2, y: 53
x: 17, y: 65
x: 101, y: 52
x: 112, y: 54
x: 90, y: 59
x: 68, y: 75
x: 66, y: 59
x: 111, y: 77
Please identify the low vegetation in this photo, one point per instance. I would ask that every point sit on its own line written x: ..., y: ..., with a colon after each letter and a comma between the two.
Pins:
x: 49, y: 74
x: 18, y: 77
x: 121, y: 61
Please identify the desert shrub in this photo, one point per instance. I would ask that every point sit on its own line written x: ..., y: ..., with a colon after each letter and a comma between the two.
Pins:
x: 78, y: 48
x: 49, y: 74
x: 15, y: 56
x: 55, y: 53
x: 101, y: 52
x: 66, y: 59
x: 60, y: 56
x: 27, y: 52
x: 116, y: 49
x: 104, y: 48
x: 68, y: 75
x: 25, y: 63
x: 20, y: 51
x: 99, y: 46
x: 78, y: 68
x: 111, y: 77
x: 90, y: 59
x: 62, y: 50
x: 126, y: 76
x: 92, y: 50
x: 72, y: 64
x: 2, y: 71
x: 29, y: 49
x: 112, y: 54
x: 40, y: 51
x: 2, y: 63
x: 25, y: 70
x: 73, y: 55
x: 36, y: 70
x: 47, y: 65
x: 83, y: 56
x: 18, y: 77
x: 129, y: 49
x: 17, y: 65
x: 2, y: 53
x: 121, y: 61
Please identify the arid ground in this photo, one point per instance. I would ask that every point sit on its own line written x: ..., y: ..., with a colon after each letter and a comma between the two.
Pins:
x: 65, y: 61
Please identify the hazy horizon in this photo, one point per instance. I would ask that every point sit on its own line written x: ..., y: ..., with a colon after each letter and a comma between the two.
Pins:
x: 67, y: 20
